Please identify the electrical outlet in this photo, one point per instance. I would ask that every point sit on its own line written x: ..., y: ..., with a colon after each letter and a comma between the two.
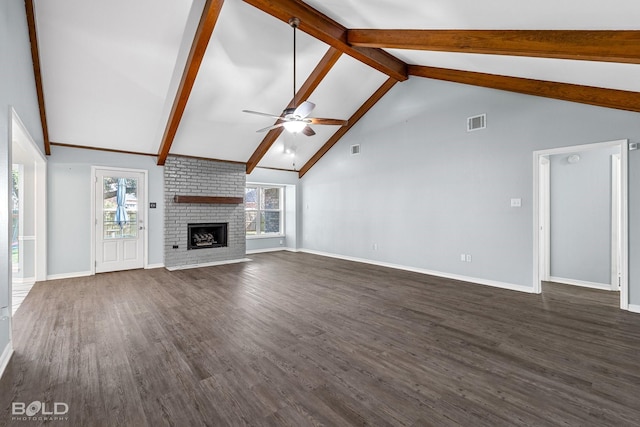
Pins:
x: 516, y: 203
x: 463, y: 257
x: 468, y: 258
x: 375, y: 246
x: 281, y: 241
x: 633, y: 146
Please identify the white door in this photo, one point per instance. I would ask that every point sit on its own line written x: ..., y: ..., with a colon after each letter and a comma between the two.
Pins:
x: 120, y: 221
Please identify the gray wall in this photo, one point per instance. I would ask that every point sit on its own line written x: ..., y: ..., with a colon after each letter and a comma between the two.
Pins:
x: 425, y: 190
x: 17, y: 89
x: 69, y: 206
x: 290, y: 180
x: 581, y: 216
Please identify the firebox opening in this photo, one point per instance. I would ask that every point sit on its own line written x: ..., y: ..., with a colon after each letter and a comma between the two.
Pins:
x: 202, y: 236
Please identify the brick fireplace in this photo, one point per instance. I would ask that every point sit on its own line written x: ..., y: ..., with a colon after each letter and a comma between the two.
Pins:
x: 202, y: 192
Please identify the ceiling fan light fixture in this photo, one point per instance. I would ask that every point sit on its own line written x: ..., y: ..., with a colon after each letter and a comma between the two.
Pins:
x: 294, y: 126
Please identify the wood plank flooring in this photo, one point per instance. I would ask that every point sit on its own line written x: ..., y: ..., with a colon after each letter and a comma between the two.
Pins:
x: 301, y: 340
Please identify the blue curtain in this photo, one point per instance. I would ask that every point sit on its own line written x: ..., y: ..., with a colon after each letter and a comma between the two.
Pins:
x: 121, y: 212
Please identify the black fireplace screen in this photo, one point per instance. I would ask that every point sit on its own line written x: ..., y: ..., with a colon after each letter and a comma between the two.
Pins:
x: 202, y: 236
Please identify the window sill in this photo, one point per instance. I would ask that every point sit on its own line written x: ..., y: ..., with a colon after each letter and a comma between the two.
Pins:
x: 266, y: 236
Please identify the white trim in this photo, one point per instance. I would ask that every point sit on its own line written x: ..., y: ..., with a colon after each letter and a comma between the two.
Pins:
x: 266, y: 184
x: 624, y: 150
x: 624, y: 227
x: 26, y: 238
x: 583, y: 283
x: 582, y: 147
x: 265, y: 236
x: 152, y: 266
x: 545, y: 217
x: 474, y: 280
x: 92, y: 222
x: 69, y: 275
x: 34, y: 146
x: 207, y: 264
x: 5, y: 358
x: 23, y: 280
x: 260, y: 251
x: 616, y: 185
x: 634, y: 308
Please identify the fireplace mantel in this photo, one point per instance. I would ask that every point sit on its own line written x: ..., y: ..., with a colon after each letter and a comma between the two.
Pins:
x: 208, y: 199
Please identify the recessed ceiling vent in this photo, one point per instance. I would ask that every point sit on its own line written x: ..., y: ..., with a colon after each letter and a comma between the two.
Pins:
x: 476, y: 122
x: 355, y: 149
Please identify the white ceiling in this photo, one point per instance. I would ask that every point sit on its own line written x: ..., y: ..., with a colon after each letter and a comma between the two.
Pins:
x: 110, y: 69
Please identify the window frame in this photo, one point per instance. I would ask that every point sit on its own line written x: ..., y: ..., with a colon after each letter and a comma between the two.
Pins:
x: 281, y: 208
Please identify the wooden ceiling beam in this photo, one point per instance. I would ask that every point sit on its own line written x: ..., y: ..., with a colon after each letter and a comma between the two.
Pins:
x: 332, y: 33
x: 35, y: 56
x: 601, y: 97
x: 317, y: 75
x: 207, y: 23
x: 609, y: 46
x: 378, y: 94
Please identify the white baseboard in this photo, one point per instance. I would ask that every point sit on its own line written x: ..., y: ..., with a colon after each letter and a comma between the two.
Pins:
x: 486, y: 282
x: 23, y: 280
x: 583, y: 283
x: 207, y: 264
x: 69, y: 275
x: 152, y: 266
x: 5, y: 358
x: 265, y: 250
x: 634, y: 308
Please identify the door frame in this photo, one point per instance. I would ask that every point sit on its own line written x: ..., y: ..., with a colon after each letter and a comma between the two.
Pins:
x: 145, y: 209
x: 616, y: 233
x: 539, y: 192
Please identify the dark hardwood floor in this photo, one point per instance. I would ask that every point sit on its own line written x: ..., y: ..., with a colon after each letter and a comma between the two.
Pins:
x: 297, y: 339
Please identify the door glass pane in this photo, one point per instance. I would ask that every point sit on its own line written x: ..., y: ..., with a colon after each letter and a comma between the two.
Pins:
x: 120, y: 208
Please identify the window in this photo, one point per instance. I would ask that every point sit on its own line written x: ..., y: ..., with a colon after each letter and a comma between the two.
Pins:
x: 17, y: 213
x: 263, y: 210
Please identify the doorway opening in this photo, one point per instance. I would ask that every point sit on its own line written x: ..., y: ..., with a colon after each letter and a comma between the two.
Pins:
x: 614, y: 208
x: 28, y: 213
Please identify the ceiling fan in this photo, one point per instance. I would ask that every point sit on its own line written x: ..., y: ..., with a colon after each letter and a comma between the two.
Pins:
x: 296, y: 119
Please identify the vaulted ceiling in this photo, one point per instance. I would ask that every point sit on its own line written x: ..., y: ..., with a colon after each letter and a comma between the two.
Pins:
x: 163, y: 77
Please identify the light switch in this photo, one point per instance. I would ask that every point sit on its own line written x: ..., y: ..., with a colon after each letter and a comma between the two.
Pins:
x: 516, y: 203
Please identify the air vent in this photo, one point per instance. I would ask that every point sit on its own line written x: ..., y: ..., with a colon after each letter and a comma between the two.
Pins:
x: 355, y: 149
x: 476, y: 122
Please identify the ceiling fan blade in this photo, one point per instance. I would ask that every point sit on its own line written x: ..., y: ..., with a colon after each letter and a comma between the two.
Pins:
x: 304, y: 109
x: 277, y: 125
x: 262, y: 114
x: 336, y: 122
x: 308, y: 131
